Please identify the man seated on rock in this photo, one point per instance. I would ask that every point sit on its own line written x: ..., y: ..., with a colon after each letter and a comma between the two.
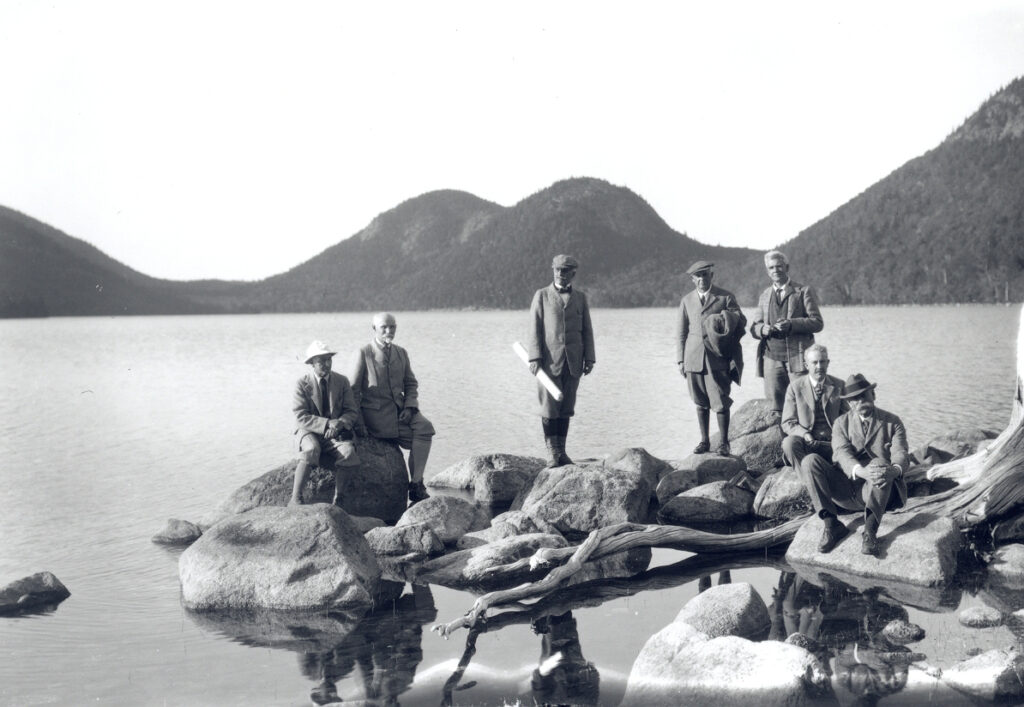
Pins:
x: 813, y: 403
x: 387, y: 398
x: 326, y: 413
x: 870, y: 447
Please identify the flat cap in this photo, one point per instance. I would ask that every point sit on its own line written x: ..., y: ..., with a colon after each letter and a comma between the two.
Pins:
x: 564, y: 261
x: 698, y: 266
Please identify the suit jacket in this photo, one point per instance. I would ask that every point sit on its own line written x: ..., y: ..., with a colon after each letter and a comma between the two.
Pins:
x: 382, y: 387
x: 692, y: 349
x: 560, y: 333
x: 798, y: 410
x: 306, y: 403
x: 886, y: 439
x: 799, y: 306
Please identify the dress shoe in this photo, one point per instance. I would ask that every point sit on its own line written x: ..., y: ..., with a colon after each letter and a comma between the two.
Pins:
x: 417, y: 493
x: 832, y: 535
x: 723, y: 449
x: 869, y: 544
x: 702, y: 448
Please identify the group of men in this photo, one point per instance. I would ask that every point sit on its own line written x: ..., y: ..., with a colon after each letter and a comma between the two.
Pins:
x: 850, y: 454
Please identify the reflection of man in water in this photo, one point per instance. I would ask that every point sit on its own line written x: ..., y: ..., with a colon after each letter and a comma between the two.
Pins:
x: 563, y: 676
x: 386, y: 646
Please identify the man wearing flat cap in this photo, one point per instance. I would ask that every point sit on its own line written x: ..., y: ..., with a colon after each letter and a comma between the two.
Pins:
x: 561, y: 342
x: 870, y: 447
x: 326, y: 412
x: 785, y: 323
x: 708, y: 351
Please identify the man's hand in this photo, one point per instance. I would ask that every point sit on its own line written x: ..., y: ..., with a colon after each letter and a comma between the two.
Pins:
x: 879, y: 473
x: 588, y: 366
x: 783, y: 327
x: 682, y: 369
x: 405, y: 415
x: 334, y: 428
x: 534, y: 367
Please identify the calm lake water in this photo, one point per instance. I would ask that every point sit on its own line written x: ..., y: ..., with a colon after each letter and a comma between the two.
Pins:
x: 109, y: 426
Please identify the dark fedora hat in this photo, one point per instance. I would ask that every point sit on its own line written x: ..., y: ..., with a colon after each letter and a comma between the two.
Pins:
x: 856, y: 385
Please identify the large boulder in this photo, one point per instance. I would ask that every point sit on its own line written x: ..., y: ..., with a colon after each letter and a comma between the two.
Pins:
x: 577, y: 500
x: 410, y: 542
x: 1007, y: 566
x: 640, y: 461
x: 711, y: 467
x: 463, y: 475
x: 177, y: 533
x: 994, y: 676
x: 450, y: 518
x: 306, y: 557
x: 728, y: 610
x: 470, y: 568
x: 755, y: 435
x: 378, y: 487
x: 680, y: 665
x: 41, y: 590
x: 782, y: 495
x: 915, y: 548
x: 676, y: 482
x: 710, y: 503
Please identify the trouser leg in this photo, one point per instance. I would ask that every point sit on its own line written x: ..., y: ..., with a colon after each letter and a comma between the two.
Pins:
x: 824, y: 483
x: 723, y: 424
x: 776, y: 380
x: 703, y: 420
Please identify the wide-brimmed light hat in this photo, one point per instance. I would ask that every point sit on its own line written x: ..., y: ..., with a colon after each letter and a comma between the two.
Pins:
x: 318, y: 348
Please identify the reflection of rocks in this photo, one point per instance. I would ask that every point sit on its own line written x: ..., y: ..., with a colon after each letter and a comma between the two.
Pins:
x: 901, y: 632
x: 577, y: 500
x: 305, y: 557
x: 980, y: 617
x: 997, y: 675
x: 450, y: 518
x: 782, y: 495
x: 709, y: 503
x: 177, y: 532
x: 470, y: 568
x: 36, y: 592
x: 288, y: 630
x: 918, y: 549
x: 727, y: 610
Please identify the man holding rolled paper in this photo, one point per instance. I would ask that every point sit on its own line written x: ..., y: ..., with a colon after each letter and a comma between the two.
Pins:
x: 561, y: 344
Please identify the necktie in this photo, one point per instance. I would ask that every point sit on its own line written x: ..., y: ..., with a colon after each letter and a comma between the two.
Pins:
x: 387, y: 352
x: 865, y: 423
x: 325, y: 398
x: 778, y: 295
x: 817, y: 391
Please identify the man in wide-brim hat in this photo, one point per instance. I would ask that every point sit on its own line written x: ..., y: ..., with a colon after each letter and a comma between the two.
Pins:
x: 870, y: 448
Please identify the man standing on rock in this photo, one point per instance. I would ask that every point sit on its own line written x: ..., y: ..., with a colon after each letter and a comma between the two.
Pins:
x: 561, y: 342
x: 326, y: 413
x: 870, y: 447
x: 787, y: 319
x: 387, y: 397
x: 813, y: 403
x: 708, y: 351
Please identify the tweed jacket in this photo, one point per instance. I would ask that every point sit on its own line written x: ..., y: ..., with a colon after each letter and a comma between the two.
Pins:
x: 560, y: 332
x: 382, y: 387
x: 799, y: 306
x: 306, y: 403
x: 886, y: 439
x: 798, y: 410
x: 692, y: 349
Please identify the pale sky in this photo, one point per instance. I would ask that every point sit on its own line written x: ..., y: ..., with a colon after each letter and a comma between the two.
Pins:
x: 235, y: 140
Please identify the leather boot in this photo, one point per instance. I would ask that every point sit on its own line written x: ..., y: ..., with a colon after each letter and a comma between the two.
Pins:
x: 869, y: 542
x: 417, y: 492
x: 833, y: 533
x: 551, y: 443
x: 563, y: 458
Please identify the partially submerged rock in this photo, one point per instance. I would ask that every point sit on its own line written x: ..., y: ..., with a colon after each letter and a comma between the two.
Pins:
x: 178, y: 533
x: 471, y: 568
x: 505, y: 525
x: 494, y: 478
x: 728, y: 610
x: 306, y: 557
x: 577, y: 500
x: 901, y: 632
x: 41, y: 590
x: 996, y: 675
x: 450, y: 518
x: 954, y: 445
x: 917, y: 549
x: 409, y: 541
x: 709, y: 503
x: 980, y: 617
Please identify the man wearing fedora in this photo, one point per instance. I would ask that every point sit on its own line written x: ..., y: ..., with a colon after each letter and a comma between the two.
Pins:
x: 326, y: 413
x: 870, y: 447
x: 387, y: 397
x: 787, y: 319
x: 813, y: 403
x: 708, y: 352
x: 561, y: 342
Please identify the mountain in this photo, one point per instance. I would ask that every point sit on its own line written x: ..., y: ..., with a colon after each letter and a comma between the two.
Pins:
x: 452, y: 249
x: 947, y: 226
x: 45, y: 272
